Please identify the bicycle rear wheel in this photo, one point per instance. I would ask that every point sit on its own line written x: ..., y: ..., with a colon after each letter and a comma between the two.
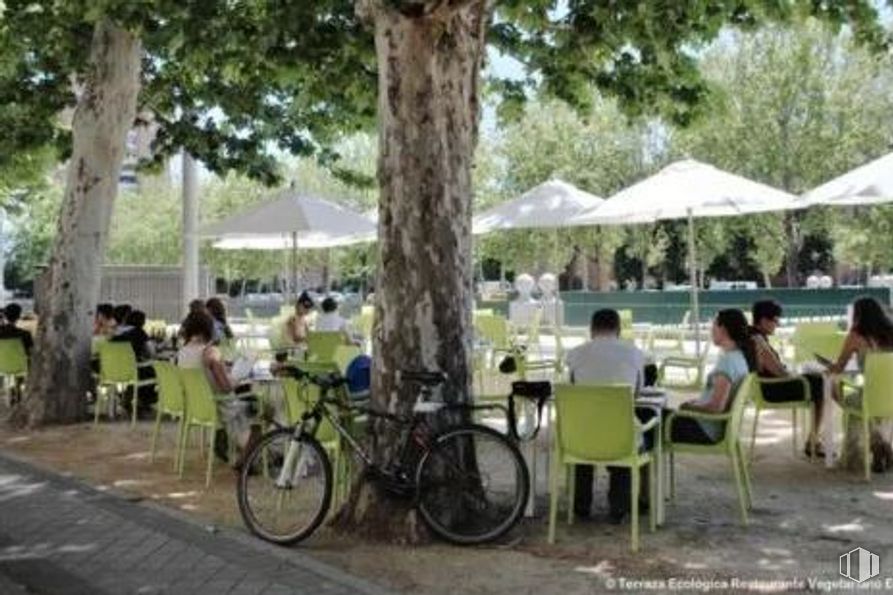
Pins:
x: 472, y: 484
x: 284, y: 496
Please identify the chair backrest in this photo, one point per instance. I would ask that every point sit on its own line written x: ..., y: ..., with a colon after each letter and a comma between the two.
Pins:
x: 877, y: 393
x: 810, y: 338
x: 736, y: 407
x: 321, y: 345
x: 117, y: 362
x: 199, y: 395
x: 595, y: 422
x: 13, y: 359
x: 344, y: 354
x: 298, y: 397
x: 626, y: 324
x: 170, y: 389
x: 493, y: 329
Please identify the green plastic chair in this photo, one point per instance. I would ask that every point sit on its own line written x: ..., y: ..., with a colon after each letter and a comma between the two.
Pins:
x: 693, y: 365
x: 344, y: 354
x: 171, y: 402
x: 810, y: 338
x: 117, y: 373
x: 495, y: 331
x: 761, y: 404
x: 595, y: 425
x: 626, y: 325
x: 321, y: 345
x: 201, y: 413
x: 877, y: 402
x: 13, y: 367
x: 729, y: 445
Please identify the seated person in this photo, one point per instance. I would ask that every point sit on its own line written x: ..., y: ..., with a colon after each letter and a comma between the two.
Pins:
x: 330, y: 321
x: 769, y: 365
x: 120, y: 314
x: 730, y: 334
x: 198, y: 351
x: 10, y: 330
x: 605, y: 359
x: 104, y: 321
x: 871, y: 332
x: 217, y: 309
x: 133, y: 332
x: 297, y: 327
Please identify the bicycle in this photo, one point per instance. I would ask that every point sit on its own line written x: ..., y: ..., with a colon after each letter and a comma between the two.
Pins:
x: 469, y: 482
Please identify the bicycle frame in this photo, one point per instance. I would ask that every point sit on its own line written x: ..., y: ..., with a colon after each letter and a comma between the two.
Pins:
x: 407, y: 425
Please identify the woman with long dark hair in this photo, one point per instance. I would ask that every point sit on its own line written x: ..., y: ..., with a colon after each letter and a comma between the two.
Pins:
x: 217, y: 309
x: 872, y: 330
x: 738, y: 358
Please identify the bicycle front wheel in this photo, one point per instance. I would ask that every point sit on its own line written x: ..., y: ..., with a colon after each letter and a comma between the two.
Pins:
x: 285, y: 487
x: 472, y: 484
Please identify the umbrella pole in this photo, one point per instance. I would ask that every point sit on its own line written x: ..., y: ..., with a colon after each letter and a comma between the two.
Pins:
x: 693, y: 280
x: 294, y: 265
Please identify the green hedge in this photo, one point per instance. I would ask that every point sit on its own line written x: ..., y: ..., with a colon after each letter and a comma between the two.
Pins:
x: 667, y: 307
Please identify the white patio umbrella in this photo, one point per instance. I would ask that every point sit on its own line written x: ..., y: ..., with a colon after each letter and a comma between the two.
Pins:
x: 291, y: 220
x: 547, y: 205
x: 685, y: 190
x: 868, y: 184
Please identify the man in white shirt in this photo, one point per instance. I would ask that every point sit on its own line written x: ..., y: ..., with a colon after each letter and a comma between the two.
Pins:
x: 606, y: 359
x: 330, y: 321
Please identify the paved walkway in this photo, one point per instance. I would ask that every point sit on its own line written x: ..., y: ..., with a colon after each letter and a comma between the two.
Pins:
x: 59, y: 536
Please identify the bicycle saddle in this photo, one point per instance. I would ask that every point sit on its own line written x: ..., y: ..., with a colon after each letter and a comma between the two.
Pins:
x: 424, y: 377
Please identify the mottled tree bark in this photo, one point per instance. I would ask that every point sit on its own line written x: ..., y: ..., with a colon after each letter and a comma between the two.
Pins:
x: 60, y: 371
x: 429, y: 59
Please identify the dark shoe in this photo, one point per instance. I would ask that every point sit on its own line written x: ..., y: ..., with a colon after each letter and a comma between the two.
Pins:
x: 615, y: 517
x: 582, y: 516
x: 221, y: 445
x: 819, y: 452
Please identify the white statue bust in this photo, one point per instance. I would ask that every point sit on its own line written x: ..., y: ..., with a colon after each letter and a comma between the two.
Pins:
x: 548, y: 284
x: 524, y: 283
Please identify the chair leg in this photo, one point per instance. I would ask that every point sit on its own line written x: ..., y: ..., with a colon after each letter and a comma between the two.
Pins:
x: 739, y: 484
x: 794, y: 432
x: 183, y: 440
x: 672, y: 477
x: 133, y: 406
x: 866, y: 446
x: 553, y: 500
x: 748, y: 488
x: 653, y: 503
x: 634, y: 509
x: 572, y: 491
x: 180, y: 440
x: 155, y: 432
x: 211, y: 457
x: 97, y: 405
x: 753, y: 435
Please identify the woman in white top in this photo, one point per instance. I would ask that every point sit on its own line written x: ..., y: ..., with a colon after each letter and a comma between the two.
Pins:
x: 198, y: 351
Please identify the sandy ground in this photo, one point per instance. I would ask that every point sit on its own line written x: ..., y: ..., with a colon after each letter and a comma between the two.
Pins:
x: 805, y: 517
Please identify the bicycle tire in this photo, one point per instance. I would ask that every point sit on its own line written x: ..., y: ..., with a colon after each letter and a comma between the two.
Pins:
x: 430, y: 510
x: 249, y: 473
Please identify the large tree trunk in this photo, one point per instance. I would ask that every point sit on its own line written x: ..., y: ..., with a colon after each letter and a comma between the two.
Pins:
x: 429, y: 60
x: 60, y: 372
